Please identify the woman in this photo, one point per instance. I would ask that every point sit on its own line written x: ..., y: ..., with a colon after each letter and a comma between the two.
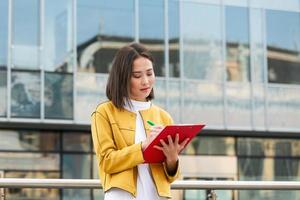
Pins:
x: 120, y: 133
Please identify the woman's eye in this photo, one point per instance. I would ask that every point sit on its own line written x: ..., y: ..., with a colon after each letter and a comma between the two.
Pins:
x: 136, y: 76
x: 149, y: 74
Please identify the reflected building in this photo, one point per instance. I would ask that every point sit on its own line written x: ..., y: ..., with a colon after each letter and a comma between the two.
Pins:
x: 232, y: 65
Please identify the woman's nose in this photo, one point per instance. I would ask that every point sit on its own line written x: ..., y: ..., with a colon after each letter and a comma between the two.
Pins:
x: 145, y: 80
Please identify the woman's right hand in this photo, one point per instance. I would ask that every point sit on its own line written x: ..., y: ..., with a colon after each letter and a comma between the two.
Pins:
x: 153, y: 133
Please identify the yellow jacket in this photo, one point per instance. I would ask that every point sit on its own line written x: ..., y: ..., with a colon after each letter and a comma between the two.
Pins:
x: 113, y: 133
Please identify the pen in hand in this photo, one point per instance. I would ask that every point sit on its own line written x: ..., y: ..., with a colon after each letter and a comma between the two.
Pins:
x: 153, y: 133
x: 150, y: 123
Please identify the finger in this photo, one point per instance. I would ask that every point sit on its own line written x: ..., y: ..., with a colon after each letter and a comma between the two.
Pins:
x: 177, y: 139
x: 170, y: 140
x: 158, y: 147
x: 162, y: 142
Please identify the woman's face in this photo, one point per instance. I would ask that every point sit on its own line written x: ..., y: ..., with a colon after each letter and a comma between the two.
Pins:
x: 142, y: 79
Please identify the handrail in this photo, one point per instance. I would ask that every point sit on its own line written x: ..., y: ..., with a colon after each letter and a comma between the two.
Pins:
x: 177, y: 185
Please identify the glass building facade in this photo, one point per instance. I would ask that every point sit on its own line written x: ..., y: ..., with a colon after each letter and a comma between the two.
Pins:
x: 233, y: 65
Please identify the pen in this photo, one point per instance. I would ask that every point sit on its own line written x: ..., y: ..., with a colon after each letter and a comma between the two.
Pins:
x: 150, y: 123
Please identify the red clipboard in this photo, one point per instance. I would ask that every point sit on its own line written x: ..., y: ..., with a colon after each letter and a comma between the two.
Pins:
x: 152, y: 155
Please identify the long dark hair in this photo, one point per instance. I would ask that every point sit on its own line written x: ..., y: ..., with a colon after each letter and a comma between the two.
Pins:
x: 118, y: 83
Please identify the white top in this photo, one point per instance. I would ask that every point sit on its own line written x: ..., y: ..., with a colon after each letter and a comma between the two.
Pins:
x: 146, y: 189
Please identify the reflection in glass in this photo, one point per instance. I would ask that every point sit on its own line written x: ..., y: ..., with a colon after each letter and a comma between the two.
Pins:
x: 24, y: 161
x: 268, y: 147
x: 90, y: 91
x: 284, y: 103
x: 25, y: 94
x: 79, y: 142
x: 283, y: 46
x: 202, y: 98
x: 82, y: 163
x: 202, y: 41
x: 103, y: 27
x: 238, y: 110
x: 3, y: 35
x: 151, y: 31
x: 3, y: 94
x: 237, y: 44
x: 25, y: 38
x: 58, y: 96
x: 76, y: 166
x: 174, y: 65
x: 58, y: 35
x: 28, y: 141
x: 32, y: 193
x: 212, y: 146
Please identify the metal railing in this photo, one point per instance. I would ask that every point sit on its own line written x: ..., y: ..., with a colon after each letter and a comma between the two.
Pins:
x: 177, y: 185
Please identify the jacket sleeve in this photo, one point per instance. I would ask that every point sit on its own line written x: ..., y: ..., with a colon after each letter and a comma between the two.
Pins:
x: 112, y: 160
x: 172, y: 177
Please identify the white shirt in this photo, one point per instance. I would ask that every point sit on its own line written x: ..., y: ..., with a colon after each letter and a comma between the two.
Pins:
x: 146, y: 189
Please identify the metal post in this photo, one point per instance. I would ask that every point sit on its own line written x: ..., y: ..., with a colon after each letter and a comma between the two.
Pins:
x: 211, y: 195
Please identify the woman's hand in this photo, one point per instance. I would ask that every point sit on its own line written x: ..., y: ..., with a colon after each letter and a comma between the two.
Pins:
x: 171, y: 151
x: 153, y: 133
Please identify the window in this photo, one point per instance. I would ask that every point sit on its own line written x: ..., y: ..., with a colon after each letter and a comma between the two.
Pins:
x: 3, y: 33
x: 25, y: 36
x: 102, y: 28
x: 58, y: 96
x: 58, y: 36
x: 151, y: 33
x: 237, y: 44
x: 202, y: 42
x: 25, y: 94
x: 283, y: 46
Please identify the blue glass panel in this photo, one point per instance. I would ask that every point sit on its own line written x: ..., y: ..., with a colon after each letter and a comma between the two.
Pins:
x: 58, y: 35
x: 237, y: 44
x: 3, y: 33
x: 25, y: 94
x: 25, y: 38
x: 283, y: 43
x: 202, y: 41
x: 102, y: 28
x: 151, y: 31
x: 58, y: 96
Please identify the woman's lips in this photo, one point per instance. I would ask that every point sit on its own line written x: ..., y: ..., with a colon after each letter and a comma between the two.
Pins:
x: 145, y: 89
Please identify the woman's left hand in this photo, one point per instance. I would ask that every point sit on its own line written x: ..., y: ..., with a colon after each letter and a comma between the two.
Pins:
x: 171, y: 151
